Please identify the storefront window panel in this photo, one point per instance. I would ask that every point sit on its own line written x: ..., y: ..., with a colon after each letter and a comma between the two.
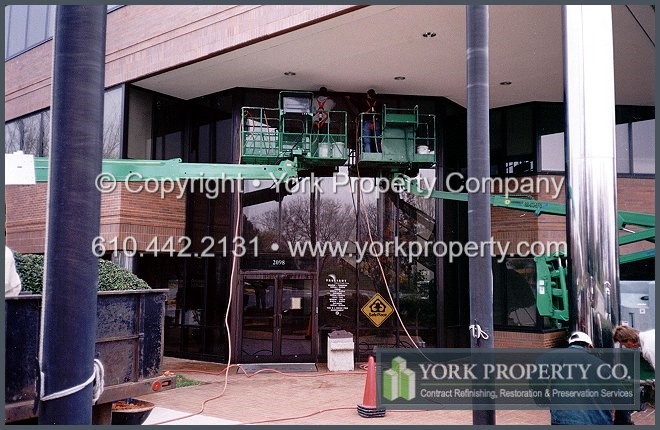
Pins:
x: 416, y: 291
x: 139, y: 137
x: 376, y: 226
x: 336, y: 221
x: 274, y: 223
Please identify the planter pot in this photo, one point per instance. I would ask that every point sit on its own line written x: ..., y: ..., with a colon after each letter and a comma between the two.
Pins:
x: 131, y: 412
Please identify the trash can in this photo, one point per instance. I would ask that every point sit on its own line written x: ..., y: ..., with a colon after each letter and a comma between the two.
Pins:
x: 340, y: 351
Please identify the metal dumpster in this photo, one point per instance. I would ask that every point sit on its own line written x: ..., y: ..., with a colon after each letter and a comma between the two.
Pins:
x: 129, y: 343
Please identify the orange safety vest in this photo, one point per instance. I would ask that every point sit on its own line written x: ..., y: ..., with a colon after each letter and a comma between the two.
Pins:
x: 322, y: 117
x: 371, y: 107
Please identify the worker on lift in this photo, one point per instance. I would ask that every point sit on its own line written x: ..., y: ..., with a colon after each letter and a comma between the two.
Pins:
x: 371, y: 127
x: 321, y: 106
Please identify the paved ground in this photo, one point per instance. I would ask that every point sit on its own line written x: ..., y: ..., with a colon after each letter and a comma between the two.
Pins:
x: 299, y: 398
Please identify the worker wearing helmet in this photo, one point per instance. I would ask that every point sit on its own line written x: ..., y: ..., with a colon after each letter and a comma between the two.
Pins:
x: 579, y: 340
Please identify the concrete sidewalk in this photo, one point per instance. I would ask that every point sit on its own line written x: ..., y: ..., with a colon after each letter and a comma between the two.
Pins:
x: 299, y: 398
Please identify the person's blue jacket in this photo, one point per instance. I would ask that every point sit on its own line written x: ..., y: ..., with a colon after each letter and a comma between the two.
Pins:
x: 579, y: 416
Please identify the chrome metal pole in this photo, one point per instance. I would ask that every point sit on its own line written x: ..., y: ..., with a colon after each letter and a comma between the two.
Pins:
x: 591, y: 170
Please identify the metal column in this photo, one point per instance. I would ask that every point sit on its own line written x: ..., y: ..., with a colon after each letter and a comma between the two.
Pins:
x: 481, y: 272
x: 68, y: 321
x: 591, y: 171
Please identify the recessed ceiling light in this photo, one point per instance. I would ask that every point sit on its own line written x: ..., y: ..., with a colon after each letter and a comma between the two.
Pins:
x: 399, y: 78
x: 429, y: 34
x: 289, y: 73
x: 505, y: 83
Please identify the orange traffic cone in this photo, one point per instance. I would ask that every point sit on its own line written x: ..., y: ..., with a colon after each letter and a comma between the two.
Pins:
x: 368, y: 407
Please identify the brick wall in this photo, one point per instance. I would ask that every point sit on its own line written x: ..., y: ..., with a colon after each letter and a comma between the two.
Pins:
x: 636, y: 195
x: 514, y: 339
x: 25, y: 222
x: 144, y: 39
x: 141, y: 216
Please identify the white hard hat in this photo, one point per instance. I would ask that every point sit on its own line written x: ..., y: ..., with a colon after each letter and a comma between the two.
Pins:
x: 580, y: 336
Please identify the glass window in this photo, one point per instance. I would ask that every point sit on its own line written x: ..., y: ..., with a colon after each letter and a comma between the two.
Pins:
x: 514, y: 293
x: 28, y: 134
x: 169, y: 122
x: 552, y: 152
x: 643, y: 146
x: 50, y: 29
x: 519, y: 132
x: 643, y: 149
x: 32, y: 134
x: 45, y: 127
x: 622, y: 149
x: 112, y: 122
x: 37, y: 24
x: 18, y: 15
x: 27, y: 26
x: 6, y: 29
x: 139, y: 124
x: 12, y: 137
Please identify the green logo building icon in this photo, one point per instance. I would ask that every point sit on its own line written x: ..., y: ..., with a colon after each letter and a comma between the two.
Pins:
x: 399, y: 381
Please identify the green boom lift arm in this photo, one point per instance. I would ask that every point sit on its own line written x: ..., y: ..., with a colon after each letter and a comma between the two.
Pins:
x: 140, y: 170
x: 552, y: 270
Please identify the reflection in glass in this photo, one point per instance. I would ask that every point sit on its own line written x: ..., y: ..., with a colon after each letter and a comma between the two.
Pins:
x: 258, y: 319
x: 112, y: 126
x: 296, y: 317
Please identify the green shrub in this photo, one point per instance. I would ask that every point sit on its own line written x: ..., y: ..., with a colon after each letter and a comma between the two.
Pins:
x: 30, y: 268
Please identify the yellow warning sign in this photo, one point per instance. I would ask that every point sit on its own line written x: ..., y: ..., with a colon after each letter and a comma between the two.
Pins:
x: 377, y: 310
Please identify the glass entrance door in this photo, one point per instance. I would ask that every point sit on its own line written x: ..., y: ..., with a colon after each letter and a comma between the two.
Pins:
x: 258, y: 320
x: 296, y: 320
x: 277, y: 321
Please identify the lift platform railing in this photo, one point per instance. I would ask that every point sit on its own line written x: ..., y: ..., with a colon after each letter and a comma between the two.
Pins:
x: 269, y: 135
x: 400, y: 136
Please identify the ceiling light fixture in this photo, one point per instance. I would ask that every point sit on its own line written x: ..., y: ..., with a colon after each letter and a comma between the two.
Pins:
x: 505, y: 83
x: 399, y: 78
x: 289, y: 73
x: 428, y: 34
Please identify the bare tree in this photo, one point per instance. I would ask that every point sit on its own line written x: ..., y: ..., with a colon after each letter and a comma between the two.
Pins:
x: 335, y: 223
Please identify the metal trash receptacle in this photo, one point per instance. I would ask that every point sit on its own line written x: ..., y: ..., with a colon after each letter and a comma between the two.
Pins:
x: 340, y: 351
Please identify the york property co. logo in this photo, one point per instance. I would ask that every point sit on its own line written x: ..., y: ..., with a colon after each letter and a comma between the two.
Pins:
x: 399, y: 381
